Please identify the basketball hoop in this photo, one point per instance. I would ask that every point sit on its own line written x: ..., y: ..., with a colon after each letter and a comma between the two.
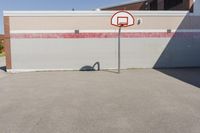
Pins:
x: 121, y: 19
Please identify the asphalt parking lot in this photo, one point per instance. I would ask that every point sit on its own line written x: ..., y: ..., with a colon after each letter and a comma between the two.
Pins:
x: 136, y: 101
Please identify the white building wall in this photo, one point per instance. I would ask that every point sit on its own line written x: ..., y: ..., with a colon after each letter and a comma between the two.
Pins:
x: 62, y: 54
x: 72, y: 54
x: 197, y: 7
x: 172, y: 40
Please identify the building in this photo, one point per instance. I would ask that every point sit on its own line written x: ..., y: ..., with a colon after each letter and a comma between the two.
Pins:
x: 1, y: 37
x: 153, y: 5
x: 69, y: 40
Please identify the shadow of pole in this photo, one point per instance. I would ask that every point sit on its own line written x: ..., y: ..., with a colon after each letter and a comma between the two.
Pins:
x: 91, y: 68
x: 3, y: 68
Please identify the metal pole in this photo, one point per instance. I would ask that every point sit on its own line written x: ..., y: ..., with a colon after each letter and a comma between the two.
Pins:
x: 119, y: 49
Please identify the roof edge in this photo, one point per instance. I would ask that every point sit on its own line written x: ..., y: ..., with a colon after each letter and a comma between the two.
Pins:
x: 92, y: 13
x: 122, y: 4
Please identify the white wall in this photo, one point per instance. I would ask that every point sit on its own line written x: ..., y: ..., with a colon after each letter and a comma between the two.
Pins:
x: 140, y: 51
x: 72, y: 54
x: 197, y: 7
x: 62, y: 54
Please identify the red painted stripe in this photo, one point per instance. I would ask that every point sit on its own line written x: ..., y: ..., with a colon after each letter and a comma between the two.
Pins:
x: 105, y: 35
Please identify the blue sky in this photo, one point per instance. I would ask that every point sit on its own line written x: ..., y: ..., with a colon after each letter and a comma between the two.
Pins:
x: 52, y: 5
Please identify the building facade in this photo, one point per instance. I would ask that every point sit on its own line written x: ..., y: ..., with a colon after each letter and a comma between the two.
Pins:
x: 69, y: 40
x: 153, y: 5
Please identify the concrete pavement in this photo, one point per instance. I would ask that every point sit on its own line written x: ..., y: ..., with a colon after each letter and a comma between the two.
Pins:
x: 136, y: 101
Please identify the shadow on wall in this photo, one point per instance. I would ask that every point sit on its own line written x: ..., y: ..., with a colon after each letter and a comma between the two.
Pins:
x: 3, y: 68
x: 182, y: 51
x: 91, y: 68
